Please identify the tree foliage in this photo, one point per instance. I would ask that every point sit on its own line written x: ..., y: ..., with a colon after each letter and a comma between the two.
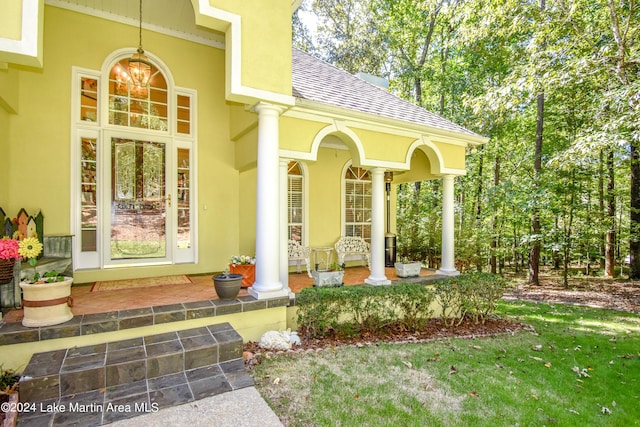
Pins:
x: 484, y: 64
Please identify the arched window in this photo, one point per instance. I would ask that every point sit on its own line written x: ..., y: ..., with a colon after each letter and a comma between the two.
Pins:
x: 296, y: 210
x: 357, y: 203
x: 144, y: 107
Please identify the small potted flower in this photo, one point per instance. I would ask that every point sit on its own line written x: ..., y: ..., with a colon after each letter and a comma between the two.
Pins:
x: 46, y: 299
x: 245, y: 265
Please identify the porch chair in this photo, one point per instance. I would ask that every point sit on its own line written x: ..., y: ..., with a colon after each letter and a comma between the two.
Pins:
x: 350, y: 248
x: 298, y: 254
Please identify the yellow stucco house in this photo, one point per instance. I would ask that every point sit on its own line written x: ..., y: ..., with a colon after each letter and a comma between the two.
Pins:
x: 238, y: 143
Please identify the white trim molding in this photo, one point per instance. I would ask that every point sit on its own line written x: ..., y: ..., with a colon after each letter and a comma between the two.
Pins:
x: 28, y: 50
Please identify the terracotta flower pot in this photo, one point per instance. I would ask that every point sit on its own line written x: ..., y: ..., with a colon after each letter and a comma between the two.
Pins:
x: 227, y: 286
x: 46, y: 304
x: 247, y: 270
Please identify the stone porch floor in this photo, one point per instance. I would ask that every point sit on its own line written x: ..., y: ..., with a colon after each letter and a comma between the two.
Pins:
x: 87, y: 302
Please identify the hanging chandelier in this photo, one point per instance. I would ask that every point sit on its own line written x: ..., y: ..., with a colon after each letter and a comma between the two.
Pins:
x: 139, y: 65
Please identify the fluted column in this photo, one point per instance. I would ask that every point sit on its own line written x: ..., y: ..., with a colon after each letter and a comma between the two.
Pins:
x: 268, y: 236
x: 377, y: 276
x: 448, y: 266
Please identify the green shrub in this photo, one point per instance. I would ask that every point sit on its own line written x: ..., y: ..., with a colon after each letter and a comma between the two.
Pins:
x: 472, y: 296
x: 353, y: 310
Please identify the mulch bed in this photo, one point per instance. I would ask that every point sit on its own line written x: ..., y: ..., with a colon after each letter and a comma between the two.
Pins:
x: 617, y: 294
x: 435, y: 330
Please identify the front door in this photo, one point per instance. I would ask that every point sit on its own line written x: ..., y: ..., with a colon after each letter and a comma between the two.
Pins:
x: 139, y: 205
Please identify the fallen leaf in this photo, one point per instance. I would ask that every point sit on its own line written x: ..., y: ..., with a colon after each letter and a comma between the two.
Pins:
x: 433, y: 359
x: 276, y: 381
x: 574, y: 412
x: 614, y: 404
x: 626, y: 356
x: 537, y: 347
x: 474, y: 394
x: 548, y: 365
x: 499, y: 366
x: 357, y: 396
x: 453, y: 370
x: 539, y: 359
x: 407, y: 364
x: 476, y: 347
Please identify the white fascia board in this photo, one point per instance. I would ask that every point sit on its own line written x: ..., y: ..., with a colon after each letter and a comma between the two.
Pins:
x: 28, y: 49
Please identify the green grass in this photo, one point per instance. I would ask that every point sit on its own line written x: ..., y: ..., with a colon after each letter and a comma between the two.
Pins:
x: 525, y: 379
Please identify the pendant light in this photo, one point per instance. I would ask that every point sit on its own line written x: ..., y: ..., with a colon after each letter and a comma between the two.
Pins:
x: 139, y: 65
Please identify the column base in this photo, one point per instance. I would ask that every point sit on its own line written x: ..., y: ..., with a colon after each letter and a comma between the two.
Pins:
x: 377, y: 281
x: 448, y: 272
x: 268, y: 294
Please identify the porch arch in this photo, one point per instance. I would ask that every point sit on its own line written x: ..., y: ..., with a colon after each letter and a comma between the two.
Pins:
x: 432, y: 152
x: 346, y: 135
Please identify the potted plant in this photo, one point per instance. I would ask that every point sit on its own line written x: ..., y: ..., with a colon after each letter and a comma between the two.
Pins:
x: 46, y: 299
x: 407, y: 268
x: 333, y: 277
x: 9, y: 253
x: 227, y: 285
x: 245, y: 265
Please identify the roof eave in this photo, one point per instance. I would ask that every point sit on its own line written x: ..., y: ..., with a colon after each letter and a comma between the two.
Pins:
x: 468, y: 139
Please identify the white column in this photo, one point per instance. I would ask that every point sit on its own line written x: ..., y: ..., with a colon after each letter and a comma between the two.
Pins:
x: 284, y: 223
x: 377, y: 276
x: 268, y: 284
x: 448, y: 266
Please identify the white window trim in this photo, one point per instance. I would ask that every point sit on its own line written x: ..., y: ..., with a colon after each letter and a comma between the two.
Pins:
x: 305, y: 202
x: 99, y: 130
x: 343, y: 195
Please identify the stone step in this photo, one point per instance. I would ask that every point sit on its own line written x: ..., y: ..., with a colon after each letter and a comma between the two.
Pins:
x: 103, y: 383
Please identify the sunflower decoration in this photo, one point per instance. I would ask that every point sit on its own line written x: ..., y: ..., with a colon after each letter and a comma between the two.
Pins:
x: 30, y: 248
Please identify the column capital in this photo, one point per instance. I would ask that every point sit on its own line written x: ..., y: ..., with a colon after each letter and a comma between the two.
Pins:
x: 266, y: 108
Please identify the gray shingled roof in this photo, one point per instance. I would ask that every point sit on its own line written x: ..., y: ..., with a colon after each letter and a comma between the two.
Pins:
x: 319, y: 81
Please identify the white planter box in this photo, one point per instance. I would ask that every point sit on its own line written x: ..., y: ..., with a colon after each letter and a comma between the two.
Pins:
x: 327, y: 278
x: 411, y: 269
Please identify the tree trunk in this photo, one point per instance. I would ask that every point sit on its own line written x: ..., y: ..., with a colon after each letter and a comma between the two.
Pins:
x: 494, y: 222
x: 634, y: 239
x: 480, y: 188
x: 534, y: 257
x: 610, y: 255
x: 601, y: 214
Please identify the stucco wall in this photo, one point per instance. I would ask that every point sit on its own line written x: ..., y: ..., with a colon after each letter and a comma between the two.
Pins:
x: 39, y: 136
x: 4, y: 151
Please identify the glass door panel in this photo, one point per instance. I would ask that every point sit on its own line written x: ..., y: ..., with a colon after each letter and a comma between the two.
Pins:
x: 138, y: 199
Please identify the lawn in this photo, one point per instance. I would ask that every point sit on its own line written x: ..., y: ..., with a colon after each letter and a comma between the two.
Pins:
x: 577, y: 366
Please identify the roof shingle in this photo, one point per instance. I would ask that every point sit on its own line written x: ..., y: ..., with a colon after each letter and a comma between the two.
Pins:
x: 319, y: 81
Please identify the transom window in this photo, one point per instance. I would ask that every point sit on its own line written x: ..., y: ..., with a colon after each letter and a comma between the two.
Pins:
x: 357, y: 203
x: 143, y: 107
